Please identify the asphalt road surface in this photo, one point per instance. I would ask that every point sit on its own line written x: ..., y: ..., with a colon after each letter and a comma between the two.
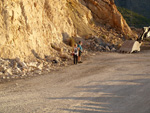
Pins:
x: 105, y: 83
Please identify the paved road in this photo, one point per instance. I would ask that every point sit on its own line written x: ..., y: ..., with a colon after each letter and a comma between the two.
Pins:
x: 106, y: 83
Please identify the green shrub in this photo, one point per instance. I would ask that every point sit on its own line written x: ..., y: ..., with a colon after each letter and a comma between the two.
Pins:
x: 71, y: 41
x: 134, y: 19
x: 104, y: 36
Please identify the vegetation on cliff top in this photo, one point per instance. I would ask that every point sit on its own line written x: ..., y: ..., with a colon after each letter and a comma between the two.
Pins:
x: 134, y: 19
x: 139, y: 6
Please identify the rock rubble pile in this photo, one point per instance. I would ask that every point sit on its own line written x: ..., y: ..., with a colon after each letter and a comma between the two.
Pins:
x: 15, y: 68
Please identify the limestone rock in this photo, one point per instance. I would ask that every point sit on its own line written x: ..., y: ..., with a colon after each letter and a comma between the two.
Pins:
x: 105, y: 11
x: 101, y: 48
x: 113, y: 50
x: 107, y: 48
x: 32, y: 64
x: 1, y: 69
x: 64, y: 56
x: 40, y: 66
x: 57, y: 48
x: 17, y: 70
x: 1, y: 73
x: 99, y: 40
x: 22, y: 64
x: 8, y: 71
x: 38, y: 72
x: 27, y: 28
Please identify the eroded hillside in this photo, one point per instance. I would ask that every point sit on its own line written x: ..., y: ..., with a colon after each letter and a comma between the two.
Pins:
x: 32, y: 25
x: 29, y: 27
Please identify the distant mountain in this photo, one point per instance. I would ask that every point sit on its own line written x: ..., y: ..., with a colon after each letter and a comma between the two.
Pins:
x: 141, y: 7
x: 134, y: 19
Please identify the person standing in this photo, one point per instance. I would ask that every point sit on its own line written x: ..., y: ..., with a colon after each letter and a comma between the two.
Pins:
x: 75, y: 54
x: 80, y: 51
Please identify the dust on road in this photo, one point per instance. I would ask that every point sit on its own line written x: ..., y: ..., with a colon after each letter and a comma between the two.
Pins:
x: 105, y: 83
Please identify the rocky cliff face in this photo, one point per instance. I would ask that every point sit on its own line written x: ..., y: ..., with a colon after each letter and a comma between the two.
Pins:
x: 105, y: 11
x: 29, y: 27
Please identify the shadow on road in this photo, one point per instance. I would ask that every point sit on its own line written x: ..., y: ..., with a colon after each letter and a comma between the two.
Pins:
x: 115, y: 96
